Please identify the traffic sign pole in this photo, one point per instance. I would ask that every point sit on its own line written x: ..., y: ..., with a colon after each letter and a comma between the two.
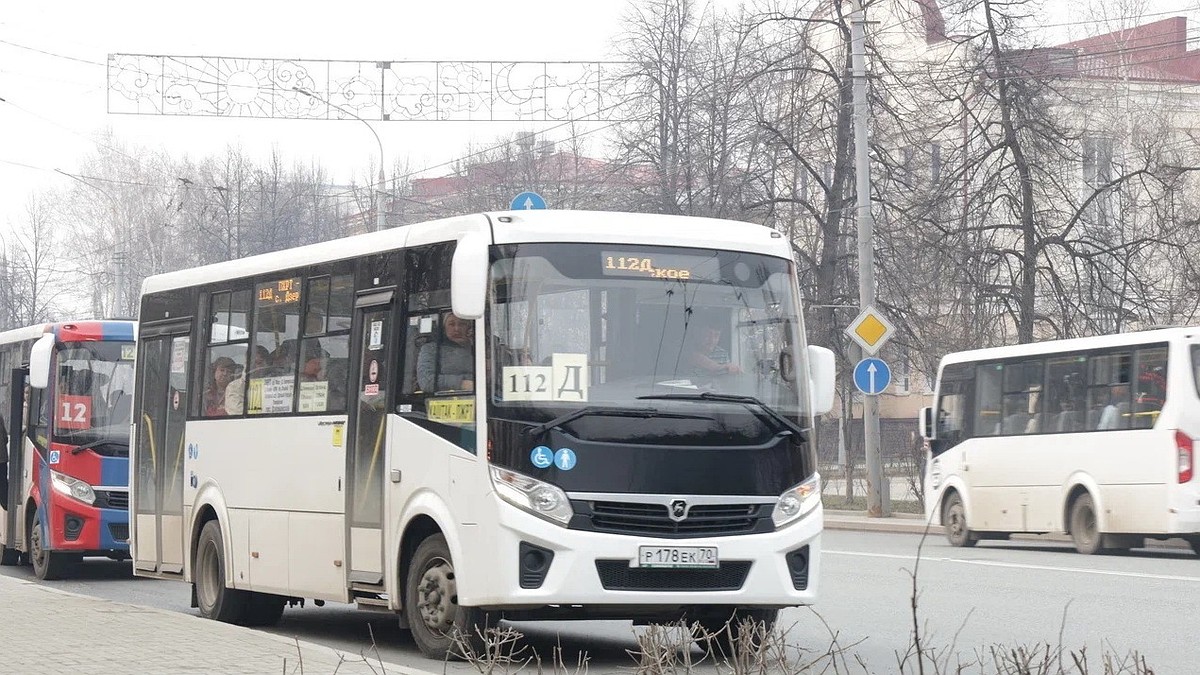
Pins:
x: 878, y: 502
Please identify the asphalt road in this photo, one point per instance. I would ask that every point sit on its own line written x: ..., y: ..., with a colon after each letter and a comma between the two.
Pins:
x: 969, y: 600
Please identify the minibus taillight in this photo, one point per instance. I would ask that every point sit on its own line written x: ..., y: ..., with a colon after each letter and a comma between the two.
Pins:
x: 1184, y: 443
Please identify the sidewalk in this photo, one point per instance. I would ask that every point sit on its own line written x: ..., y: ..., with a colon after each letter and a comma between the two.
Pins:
x: 909, y: 523
x: 53, y: 632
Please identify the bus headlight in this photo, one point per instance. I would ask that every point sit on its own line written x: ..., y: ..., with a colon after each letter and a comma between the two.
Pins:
x: 798, y: 501
x: 532, y: 495
x: 72, y: 487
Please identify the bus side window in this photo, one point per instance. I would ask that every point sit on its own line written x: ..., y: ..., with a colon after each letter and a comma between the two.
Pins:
x: 987, y: 399
x: 437, y: 389
x: 1150, y: 388
x: 953, y: 397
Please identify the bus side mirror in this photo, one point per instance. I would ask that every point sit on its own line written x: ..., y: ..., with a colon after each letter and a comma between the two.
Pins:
x: 39, y: 361
x: 925, y: 423
x: 468, y: 276
x: 821, y: 372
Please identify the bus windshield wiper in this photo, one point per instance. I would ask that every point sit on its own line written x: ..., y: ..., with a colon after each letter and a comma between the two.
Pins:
x: 602, y: 411
x: 96, y: 443
x: 748, y: 401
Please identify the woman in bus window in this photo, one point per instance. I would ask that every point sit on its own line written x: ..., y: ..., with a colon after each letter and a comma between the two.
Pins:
x: 448, y: 363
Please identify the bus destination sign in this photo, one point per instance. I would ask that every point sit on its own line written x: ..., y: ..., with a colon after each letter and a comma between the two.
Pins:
x: 282, y: 292
x: 660, y: 266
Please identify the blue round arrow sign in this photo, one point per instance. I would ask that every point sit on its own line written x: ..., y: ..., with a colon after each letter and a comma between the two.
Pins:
x: 872, y: 376
x: 527, y: 201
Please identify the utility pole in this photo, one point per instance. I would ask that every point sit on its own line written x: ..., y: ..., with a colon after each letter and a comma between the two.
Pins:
x: 380, y: 193
x: 877, y: 504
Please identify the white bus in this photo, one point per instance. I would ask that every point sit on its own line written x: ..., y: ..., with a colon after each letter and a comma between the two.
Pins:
x: 525, y: 415
x: 1092, y: 437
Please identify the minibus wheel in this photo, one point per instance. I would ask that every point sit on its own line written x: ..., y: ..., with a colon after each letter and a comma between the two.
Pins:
x: 1085, y: 526
x: 441, y: 627
x: 216, y: 601
x: 47, y: 565
x: 954, y: 519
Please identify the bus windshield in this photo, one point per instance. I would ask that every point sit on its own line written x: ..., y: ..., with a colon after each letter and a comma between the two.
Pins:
x: 575, y: 325
x: 93, y: 393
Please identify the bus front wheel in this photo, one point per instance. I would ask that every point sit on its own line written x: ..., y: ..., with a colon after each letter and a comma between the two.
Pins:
x: 47, y: 565
x: 440, y: 626
x: 216, y: 600
x: 1085, y: 527
x: 954, y: 519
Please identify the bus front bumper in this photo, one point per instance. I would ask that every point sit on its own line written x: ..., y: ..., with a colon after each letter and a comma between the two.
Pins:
x: 596, y: 570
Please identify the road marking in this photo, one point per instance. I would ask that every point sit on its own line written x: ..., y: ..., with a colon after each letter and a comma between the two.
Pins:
x: 993, y: 563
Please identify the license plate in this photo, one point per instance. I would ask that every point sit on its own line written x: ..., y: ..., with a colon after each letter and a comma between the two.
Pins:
x: 678, y: 557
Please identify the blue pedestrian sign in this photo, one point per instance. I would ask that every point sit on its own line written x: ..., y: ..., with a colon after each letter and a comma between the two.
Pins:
x: 872, y: 376
x: 527, y: 201
x: 564, y: 459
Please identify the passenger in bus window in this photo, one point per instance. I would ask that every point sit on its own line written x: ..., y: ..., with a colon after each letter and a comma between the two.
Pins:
x: 224, y: 370
x: 235, y: 392
x: 1111, y: 417
x: 448, y: 363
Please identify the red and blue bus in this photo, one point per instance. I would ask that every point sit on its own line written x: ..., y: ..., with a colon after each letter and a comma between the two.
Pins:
x: 64, y: 469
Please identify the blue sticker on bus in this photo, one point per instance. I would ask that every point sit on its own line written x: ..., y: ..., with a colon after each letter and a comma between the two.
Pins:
x: 54, y: 457
x: 565, y: 459
x: 541, y: 457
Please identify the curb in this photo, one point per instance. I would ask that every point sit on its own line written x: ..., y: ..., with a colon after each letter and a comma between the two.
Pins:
x: 304, y: 646
x: 907, y: 523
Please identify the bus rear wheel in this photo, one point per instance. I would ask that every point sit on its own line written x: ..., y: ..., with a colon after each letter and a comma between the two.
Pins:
x: 442, y: 628
x: 954, y: 519
x: 216, y: 600
x: 47, y: 565
x: 1085, y: 528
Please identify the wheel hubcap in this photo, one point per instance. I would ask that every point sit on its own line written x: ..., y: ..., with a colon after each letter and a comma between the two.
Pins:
x: 207, y: 580
x: 436, y: 594
x: 36, y: 552
x: 956, y: 522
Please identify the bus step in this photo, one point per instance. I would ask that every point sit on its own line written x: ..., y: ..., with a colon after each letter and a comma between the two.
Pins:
x: 360, y: 587
x: 373, y: 604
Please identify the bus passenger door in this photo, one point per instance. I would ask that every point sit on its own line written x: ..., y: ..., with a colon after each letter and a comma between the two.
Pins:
x: 157, y: 476
x: 367, y: 437
x: 13, y: 474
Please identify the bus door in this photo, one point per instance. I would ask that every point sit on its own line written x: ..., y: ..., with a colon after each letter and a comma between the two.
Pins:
x: 367, y: 442
x: 157, y: 476
x: 12, y: 474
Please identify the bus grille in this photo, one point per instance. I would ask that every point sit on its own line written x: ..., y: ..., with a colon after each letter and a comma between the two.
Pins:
x: 112, y: 499
x: 654, y: 520
x: 617, y: 575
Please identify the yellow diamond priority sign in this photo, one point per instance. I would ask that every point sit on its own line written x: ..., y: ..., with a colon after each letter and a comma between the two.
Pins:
x: 870, y: 330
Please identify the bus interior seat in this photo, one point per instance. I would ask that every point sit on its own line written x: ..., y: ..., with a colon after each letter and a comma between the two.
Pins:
x: 1070, y: 420
x: 1015, y: 423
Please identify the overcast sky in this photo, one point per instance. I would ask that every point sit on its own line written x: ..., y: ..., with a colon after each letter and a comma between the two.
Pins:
x: 66, y: 99
x: 62, y: 99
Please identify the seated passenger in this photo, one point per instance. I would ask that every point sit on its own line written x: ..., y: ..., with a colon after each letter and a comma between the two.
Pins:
x: 224, y: 370
x: 448, y: 363
x: 1111, y: 417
